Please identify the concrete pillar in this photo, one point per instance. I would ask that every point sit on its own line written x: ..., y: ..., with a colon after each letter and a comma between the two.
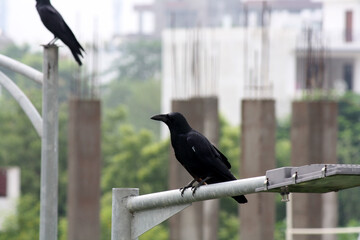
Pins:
x: 329, y: 141
x: 200, y: 221
x: 356, y: 78
x: 141, y: 22
x: 84, y: 166
x: 313, y: 140
x: 257, y: 155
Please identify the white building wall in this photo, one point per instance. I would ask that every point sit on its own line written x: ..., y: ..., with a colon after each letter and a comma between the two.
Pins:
x: 230, y: 51
x: 8, y: 204
x: 334, y: 18
x: 357, y: 74
x: 334, y: 21
x: 285, y: 30
x: 334, y: 14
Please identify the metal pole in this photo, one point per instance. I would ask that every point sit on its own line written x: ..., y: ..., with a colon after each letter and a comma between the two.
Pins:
x: 49, y: 146
x: 289, y: 219
x: 211, y: 191
x: 121, y: 216
x: 132, y: 215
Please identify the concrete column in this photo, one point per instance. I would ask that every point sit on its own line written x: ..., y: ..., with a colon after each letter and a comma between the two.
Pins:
x: 84, y: 166
x: 257, y: 155
x: 356, y: 79
x: 329, y: 200
x: 200, y: 221
x: 313, y: 140
x: 141, y: 19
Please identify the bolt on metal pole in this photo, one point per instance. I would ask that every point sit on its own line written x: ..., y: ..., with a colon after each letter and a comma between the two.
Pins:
x: 49, y: 146
x: 121, y: 216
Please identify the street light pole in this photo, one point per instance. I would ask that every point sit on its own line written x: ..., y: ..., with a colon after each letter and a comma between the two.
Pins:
x: 49, y: 146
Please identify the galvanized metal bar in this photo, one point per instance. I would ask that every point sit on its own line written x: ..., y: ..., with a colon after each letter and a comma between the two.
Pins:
x: 121, y: 217
x: 289, y: 218
x: 49, y: 146
x: 321, y: 231
x: 173, y: 197
x: 23, y: 101
x: 21, y: 68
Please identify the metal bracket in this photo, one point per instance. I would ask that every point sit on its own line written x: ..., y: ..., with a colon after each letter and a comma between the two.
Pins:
x: 294, y: 177
x: 266, y: 183
x: 323, y: 171
x: 143, y: 221
x: 285, y: 194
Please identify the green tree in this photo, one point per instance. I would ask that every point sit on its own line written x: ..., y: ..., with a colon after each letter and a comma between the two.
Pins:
x: 352, y: 236
x: 348, y: 151
x: 131, y: 159
x: 140, y: 100
x: 21, y: 146
x: 283, y: 154
x: 24, y: 226
x: 139, y: 60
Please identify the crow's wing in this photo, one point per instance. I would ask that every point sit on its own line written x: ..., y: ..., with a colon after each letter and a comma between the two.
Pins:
x: 55, y: 23
x: 52, y: 19
x: 223, y: 158
x: 212, y: 160
x: 209, y: 156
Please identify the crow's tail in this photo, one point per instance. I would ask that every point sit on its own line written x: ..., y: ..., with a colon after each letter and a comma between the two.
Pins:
x: 76, y: 54
x: 240, y: 199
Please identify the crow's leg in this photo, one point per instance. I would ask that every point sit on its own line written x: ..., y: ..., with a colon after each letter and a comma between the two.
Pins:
x: 194, y: 188
x: 190, y: 184
x: 53, y: 41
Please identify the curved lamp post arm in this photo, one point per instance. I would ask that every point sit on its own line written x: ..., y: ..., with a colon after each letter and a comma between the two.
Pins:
x: 21, y: 68
x: 23, y: 101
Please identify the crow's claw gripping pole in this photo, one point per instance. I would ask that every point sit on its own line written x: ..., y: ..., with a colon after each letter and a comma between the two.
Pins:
x: 202, y: 182
x: 52, y: 41
x: 190, y: 184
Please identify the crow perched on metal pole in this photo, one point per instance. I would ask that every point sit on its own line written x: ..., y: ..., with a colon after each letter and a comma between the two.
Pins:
x: 205, y: 163
x: 54, y: 22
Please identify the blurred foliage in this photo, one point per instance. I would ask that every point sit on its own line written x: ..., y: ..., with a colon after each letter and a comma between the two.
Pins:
x: 229, y: 226
x: 139, y: 60
x: 132, y: 159
x: 140, y: 101
x: 229, y: 145
x: 28, y: 221
x: 283, y: 154
x: 352, y: 236
x: 280, y: 230
x: 137, y: 86
x: 348, y: 152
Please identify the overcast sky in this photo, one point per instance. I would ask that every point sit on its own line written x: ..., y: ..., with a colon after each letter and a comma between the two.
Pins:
x: 24, y: 25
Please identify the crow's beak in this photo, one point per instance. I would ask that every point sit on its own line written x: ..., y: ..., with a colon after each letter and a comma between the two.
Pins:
x: 160, y: 117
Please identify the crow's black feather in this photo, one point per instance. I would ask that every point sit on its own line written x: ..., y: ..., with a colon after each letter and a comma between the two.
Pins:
x: 196, y: 154
x: 55, y: 23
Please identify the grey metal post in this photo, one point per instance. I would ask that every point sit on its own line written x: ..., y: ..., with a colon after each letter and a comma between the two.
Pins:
x: 49, y: 146
x: 121, y: 216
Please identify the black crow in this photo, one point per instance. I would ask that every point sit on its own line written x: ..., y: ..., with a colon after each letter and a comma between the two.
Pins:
x: 54, y: 22
x: 205, y: 163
